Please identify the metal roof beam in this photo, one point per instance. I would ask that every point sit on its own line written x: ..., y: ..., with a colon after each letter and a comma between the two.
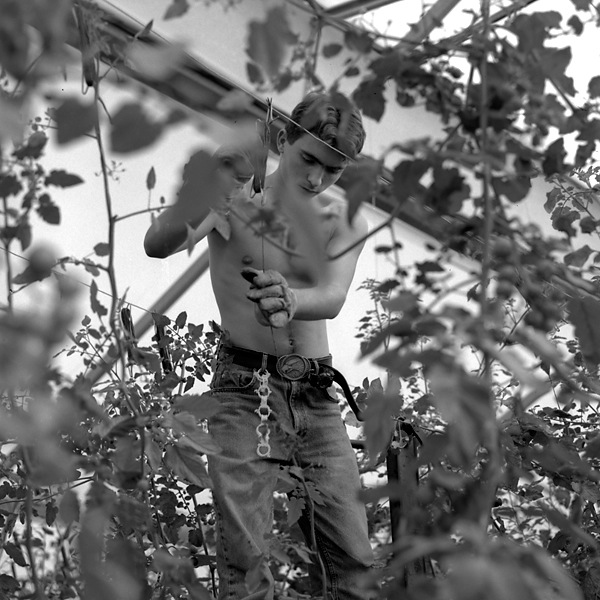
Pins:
x: 476, y: 27
x: 356, y: 7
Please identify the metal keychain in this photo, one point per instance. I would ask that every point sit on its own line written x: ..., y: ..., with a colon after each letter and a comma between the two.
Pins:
x: 263, y: 431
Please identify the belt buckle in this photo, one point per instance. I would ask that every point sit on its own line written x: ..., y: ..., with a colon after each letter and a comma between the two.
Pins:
x: 293, y: 366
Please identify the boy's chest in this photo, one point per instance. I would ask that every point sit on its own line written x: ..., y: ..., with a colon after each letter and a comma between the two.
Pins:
x: 265, y: 240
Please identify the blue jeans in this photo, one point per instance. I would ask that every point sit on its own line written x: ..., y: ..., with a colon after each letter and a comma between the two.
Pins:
x: 306, y: 430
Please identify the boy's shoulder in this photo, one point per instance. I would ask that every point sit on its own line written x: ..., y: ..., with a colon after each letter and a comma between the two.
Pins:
x: 336, y: 209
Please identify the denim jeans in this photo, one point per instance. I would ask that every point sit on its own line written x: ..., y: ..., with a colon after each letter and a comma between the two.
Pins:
x: 306, y: 430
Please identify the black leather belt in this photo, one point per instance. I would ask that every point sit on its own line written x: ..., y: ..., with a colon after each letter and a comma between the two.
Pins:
x: 294, y: 367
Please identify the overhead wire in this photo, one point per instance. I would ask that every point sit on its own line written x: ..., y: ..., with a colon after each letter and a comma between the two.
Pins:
x: 57, y: 274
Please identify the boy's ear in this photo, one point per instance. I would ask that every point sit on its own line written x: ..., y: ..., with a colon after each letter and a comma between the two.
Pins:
x: 281, y: 139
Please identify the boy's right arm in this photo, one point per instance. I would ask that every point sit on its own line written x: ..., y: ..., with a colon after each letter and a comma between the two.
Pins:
x: 168, y: 233
x: 206, y: 185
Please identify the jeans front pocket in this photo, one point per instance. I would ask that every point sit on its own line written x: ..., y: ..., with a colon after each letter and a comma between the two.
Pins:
x: 232, y: 378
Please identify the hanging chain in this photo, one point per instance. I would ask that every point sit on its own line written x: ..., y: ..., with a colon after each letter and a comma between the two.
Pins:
x: 263, y: 431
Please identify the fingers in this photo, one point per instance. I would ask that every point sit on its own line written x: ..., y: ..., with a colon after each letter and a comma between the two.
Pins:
x: 276, y: 303
x: 272, y: 305
x: 279, y: 319
x: 272, y: 291
x: 249, y: 274
x: 269, y: 277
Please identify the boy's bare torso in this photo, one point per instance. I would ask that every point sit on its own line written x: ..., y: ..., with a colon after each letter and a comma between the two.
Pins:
x: 247, y: 248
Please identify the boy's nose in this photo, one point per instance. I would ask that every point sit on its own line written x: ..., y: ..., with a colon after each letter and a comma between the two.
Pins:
x: 315, y: 177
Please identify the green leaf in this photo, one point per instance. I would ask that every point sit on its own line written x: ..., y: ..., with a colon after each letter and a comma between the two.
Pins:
x: 9, y: 584
x: 9, y: 185
x: 579, y: 257
x: 161, y: 320
x: 153, y: 453
x: 585, y: 317
x: 553, y: 63
x: 331, y: 50
x: 405, y: 302
x: 151, y: 179
x: 95, y: 304
x: 582, y: 5
x: 33, y: 147
x: 132, y: 129
x: 532, y: 30
x: 562, y: 220
x: 199, y: 441
x: 181, y: 320
x: 48, y: 210
x: 363, y: 180
x: 51, y: 513
x: 91, y: 267
x: 382, y: 408
x: 177, y: 8
x: 552, y: 198
x: 295, y: 506
x: 430, y: 327
x: 145, y: 31
x: 514, y: 188
x: 554, y: 158
x: 588, y: 225
x: 255, y: 73
x: 62, y: 179
x: 592, y: 447
x: 406, y: 178
x: 369, y: 97
x: 102, y: 249
x: 201, y: 406
x: 269, y: 41
x: 15, y: 553
x: 568, y: 526
x: 187, y: 465
x: 594, y: 87
x: 73, y: 119
x: 358, y: 41
x: 68, y: 508
x: 575, y: 24
x: 200, y: 188
x: 133, y: 513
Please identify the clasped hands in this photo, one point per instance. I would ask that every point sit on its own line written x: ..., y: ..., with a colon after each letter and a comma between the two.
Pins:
x: 275, y: 303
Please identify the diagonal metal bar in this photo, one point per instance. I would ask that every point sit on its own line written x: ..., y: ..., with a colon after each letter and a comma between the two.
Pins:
x: 503, y: 13
x: 356, y: 7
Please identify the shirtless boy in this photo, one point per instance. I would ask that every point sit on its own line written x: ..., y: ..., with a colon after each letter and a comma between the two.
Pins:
x: 276, y: 347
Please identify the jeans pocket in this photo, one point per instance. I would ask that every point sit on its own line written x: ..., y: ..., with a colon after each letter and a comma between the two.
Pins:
x: 229, y: 377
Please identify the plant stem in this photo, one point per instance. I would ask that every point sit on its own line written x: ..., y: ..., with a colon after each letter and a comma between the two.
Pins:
x: 28, y: 545
x: 9, y: 299
x: 491, y: 472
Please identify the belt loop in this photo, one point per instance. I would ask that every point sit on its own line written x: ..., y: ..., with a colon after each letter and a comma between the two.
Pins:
x: 263, y: 367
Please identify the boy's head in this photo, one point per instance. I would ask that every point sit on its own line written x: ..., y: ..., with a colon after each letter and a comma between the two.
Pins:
x: 331, y: 118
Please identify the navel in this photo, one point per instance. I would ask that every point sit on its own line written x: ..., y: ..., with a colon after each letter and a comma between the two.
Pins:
x: 247, y: 259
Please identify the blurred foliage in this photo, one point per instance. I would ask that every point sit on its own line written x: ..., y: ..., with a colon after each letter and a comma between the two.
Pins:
x: 489, y: 412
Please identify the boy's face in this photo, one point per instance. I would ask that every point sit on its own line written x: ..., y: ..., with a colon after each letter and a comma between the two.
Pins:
x: 308, y: 165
